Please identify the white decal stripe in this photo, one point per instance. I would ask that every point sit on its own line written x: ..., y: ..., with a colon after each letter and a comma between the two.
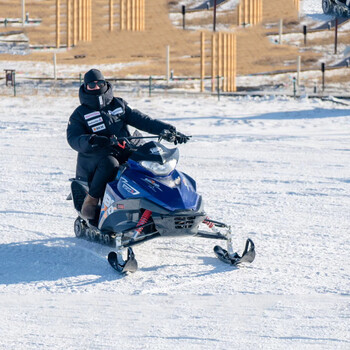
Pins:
x: 98, y: 127
x: 117, y: 111
x: 91, y: 115
x: 95, y: 121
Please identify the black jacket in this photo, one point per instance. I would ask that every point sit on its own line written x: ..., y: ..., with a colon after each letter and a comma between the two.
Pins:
x: 103, y: 115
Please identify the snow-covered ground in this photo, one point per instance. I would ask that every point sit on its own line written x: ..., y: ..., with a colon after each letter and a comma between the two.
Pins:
x: 276, y: 169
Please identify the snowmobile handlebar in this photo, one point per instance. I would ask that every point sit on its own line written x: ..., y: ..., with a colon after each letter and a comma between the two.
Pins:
x: 124, y: 142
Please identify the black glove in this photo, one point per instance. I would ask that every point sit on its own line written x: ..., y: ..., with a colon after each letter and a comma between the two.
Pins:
x: 99, y: 141
x: 180, y: 138
x: 168, y: 135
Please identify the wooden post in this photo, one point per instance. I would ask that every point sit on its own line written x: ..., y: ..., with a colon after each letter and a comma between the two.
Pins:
x: 121, y: 16
x: 213, y: 61
x: 224, y: 88
x: 128, y: 14
x: 89, y: 36
x: 234, y: 55
x: 256, y: 21
x: 202, y: 60
x: 68, y: 23
x: 138, y: 15
x: 141, y: 15
x: 80, y: 27
x: 83, y: 20
x: 228, y: 74
x: 86, y: 20
x: 58, y: 14
x: 111, y: 15
x: 251, y: 12
x: 133, y: 21
x: 239, y: 13
x: 219, y: 59
x: 75, y: 22
x: 90, y: 20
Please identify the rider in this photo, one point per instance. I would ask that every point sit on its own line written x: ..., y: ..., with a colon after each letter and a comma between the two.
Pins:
x: 99, y: 118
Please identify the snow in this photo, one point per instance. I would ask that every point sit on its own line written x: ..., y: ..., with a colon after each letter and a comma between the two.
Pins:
x: 275, y: 168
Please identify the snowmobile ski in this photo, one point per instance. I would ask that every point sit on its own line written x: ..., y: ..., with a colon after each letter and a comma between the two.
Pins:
x: 235, y: 259
x: 118, y: 264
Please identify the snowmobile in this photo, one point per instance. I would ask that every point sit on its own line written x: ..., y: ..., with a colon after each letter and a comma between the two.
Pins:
x: 341, y: 8
x: 150, y: 198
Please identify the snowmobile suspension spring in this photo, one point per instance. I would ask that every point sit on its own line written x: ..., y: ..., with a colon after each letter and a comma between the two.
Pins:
x: 208, y: 222
x: 143, y: 220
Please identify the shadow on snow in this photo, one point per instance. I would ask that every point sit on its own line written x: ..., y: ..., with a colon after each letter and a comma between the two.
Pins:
x: 52, y: 260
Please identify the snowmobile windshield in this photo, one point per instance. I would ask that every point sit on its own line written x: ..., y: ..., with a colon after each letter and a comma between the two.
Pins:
x: 159, y: 169
x: 156, y: 158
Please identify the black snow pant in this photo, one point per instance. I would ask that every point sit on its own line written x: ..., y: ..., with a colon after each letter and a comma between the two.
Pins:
x: 105, y: 172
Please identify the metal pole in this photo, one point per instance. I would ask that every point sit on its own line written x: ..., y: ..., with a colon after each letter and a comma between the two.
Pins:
x: 323, y: 69
x: 280, y: 31
x: 214, y: 24
x: 167, y: 63
x: 218, y: 86
x: 336, y: 36
x: 298, y: 71
x: 150, y: 86
x: 294, y: 88
x: 183, y: 17
x: 14, y: 83
x: 23, y: 12
x: 54, y: 67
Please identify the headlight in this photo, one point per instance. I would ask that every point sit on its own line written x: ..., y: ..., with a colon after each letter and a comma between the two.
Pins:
x: 159, y: 169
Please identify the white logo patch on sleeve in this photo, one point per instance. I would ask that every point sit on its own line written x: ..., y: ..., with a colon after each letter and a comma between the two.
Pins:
x: 117, y: 111
x: 91, y: 115
x: 95, y: 121
x: 99, y: 128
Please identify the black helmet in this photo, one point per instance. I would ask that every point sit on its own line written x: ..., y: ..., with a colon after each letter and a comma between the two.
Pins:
x: 94, y: 75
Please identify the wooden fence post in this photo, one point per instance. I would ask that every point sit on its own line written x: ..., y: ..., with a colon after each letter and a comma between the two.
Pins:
x: 68, y: 23
x: 234, y: 62
x: 58, y: 14
x: 111, y: 15
x: 213, y: 61
x: 121, y: 15
x: 202, y: 65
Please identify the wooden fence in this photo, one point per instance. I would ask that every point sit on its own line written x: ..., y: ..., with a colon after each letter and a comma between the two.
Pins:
x: 297, y: 4
x: 223, y: 60
x: 132, y: 15
x: 249, y: 12
x: 78, y: 24
x: 78, y: 21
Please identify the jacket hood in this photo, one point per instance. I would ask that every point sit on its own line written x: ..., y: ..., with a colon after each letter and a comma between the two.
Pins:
x: 96, y: 102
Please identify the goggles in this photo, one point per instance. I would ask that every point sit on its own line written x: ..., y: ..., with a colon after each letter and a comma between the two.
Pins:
x: 93, y: 84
